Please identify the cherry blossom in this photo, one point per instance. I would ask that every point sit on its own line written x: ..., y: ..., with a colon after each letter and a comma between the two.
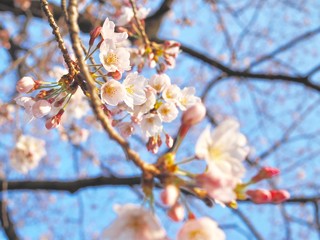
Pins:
x: 171, y: 93
x: 168, y: 112
x: 187, y: 98
x: 41, y: 108
x: 159, y: 82
x: 201, y: 228
x: 27, y: 153
x: 127, y: 15
x: 151, y: 125
x: 112, y: 92
x: 114, y: 59
x: 225, y: 148
x: 134, y: 222
x: 169, y: 195
x: 135, y: 90
x: 108, y: 32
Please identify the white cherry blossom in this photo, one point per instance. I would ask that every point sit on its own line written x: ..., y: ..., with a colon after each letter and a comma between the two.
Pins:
x: 112, y: 92
x: 171, y: 93
x: 127, y: 15
x: 201, y: 229
x: 134, y: 85
x: 187, y: 98
x: 225, y: 148
x: 108, y: 32
x: 27, y: 153
x: 136, y: 223
x: 114, y: 59
x: 151, y: 125
x: 168, y: 112
x: 159, y: 82
x: 139, y: 110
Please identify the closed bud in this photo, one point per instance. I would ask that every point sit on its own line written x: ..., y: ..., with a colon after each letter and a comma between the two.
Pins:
x: 265, y: 173
x: 169, y: 195
x: 94, y: 34
x: 176, y: 213
x: 169, y: 141
x: 259, y: 195
x: 25, y: 84
x: 194, y: 114
x: 279, y: 196
x: 54, y: 122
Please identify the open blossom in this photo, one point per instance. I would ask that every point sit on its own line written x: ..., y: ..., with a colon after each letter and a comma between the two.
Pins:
x: 136, y: 223
x: 41, y: 108
x: 127, y: 15
x: 139, y: 110
x: 112, y: 92
x: 168, y: 112
x: 201, y: 228
x: 187, y: 98
x: 224, y: 148
x: 134, y: 86
x: 171, y: 93
x: 27, y: 153
x: 114, y: 59
x: 108, y: 32
x: 151, y: 125
x: 159, y: 82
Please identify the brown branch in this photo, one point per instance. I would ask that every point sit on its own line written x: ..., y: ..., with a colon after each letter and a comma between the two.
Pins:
x: 6, y: 222
x: 55, y: 31
x: 95, y: 100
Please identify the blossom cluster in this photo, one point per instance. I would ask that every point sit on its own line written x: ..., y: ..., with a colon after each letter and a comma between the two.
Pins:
x: 133, y: 102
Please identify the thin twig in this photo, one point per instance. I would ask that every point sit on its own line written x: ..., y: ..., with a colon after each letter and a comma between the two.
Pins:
x: 55, y: 31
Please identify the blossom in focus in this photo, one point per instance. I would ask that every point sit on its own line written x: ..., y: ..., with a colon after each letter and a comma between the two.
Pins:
x: 134, y: 85
x: 201, y: 229
x: 136, y: 223
x: 171, y: 93
x: 168, y: 112
x: 112, y: 92
x: 139, y: 110
x: 127, y: 15
x: 187, y: 98
x: 27, y: 153
x: 108, y: 32
x: 151, y: 125
x: 114, y: 59
x: 224, y: 148
x: 159, y: 82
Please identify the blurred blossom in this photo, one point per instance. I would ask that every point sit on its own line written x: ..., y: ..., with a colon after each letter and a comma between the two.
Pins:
x: 134, y: 222
x: 27, y: 153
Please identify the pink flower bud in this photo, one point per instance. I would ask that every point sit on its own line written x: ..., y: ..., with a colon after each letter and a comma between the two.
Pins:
x: 194, y: 114
x: 169, y: 195
x: 94, y: 34
x: 54, y: 122
x: 152, y: 145
x: 25, y: 85
x: 41, y: 108
x: 169, y: 141
x: 115, y: 75
x: 265, y: 173
x: 259, y: 195
x: 279, y: 196
x: 176, y: 213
